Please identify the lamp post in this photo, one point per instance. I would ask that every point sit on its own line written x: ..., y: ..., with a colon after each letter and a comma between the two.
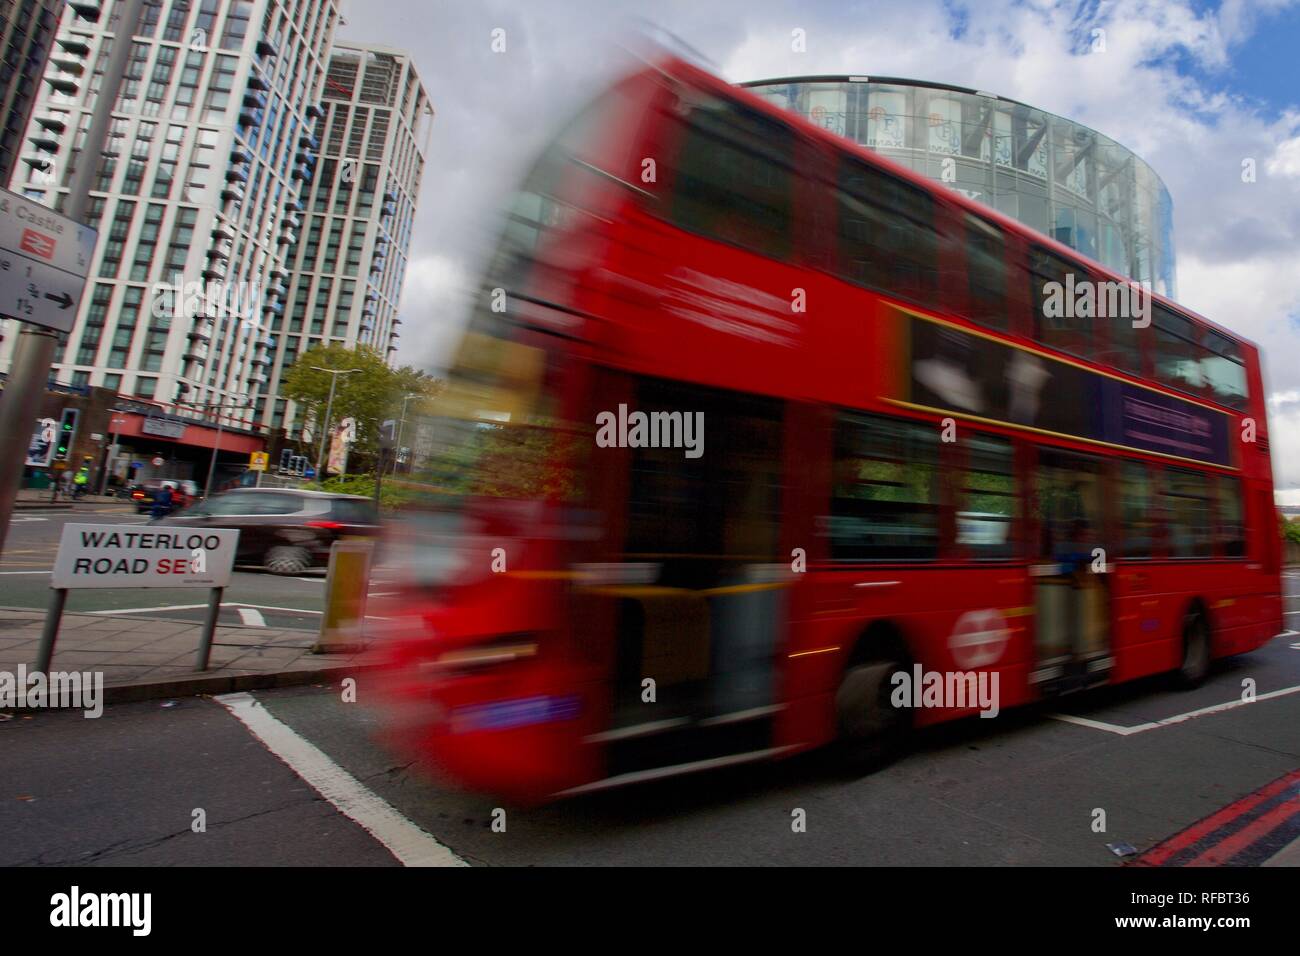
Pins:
x: 334, y: 374
x: 116, y: 424
x: 221, y: 425
x: 401, y: 426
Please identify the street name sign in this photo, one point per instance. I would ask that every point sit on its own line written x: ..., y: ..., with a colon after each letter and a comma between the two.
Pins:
x: 44, y: 258
x: 117, y: 556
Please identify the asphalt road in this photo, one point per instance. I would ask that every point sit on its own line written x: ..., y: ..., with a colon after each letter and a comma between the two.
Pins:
x: 1022, y: 789
x: 254, y: 596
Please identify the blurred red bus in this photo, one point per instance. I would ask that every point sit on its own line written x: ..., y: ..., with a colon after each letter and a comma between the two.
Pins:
x: 903, y: 462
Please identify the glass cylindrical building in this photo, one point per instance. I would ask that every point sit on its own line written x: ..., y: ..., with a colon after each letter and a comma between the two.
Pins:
x: 1057, y: 176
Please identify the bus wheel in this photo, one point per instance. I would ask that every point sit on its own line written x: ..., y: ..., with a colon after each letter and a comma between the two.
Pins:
x: 872, y: 730
x: 1196, y: 651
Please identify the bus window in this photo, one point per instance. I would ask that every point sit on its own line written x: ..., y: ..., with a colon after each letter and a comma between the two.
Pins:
x: 1068, y: 505
x: 1222, y: 370
x: 1137, y: 510
x: 734, y: 179
x: 1055, y: 287
x: 886, y: 237
x: 1229, y: 529
x: 986, y: 269
x: 986, y: 508
x: 1187, y: 509
x: 1177, y: 356
x: 885, y: 502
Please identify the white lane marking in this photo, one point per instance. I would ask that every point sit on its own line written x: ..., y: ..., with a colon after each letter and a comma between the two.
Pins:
x: 24, y: 519
x: 1168, y: 721
x: 24, y: 572
x: 411, y: 845
x: 251, y: 617
x: 146, y: 610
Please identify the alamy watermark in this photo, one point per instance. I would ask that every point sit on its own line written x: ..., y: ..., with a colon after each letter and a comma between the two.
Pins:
x: 37, y: 690
x: 180, y: 299
x: 1083, y: 298
x: 626, y: 429
x: 958, y: 690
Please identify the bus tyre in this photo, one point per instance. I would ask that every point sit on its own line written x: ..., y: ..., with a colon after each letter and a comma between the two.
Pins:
x: 1196, y: 651
x: 871, y: 729
x: 287, y: 560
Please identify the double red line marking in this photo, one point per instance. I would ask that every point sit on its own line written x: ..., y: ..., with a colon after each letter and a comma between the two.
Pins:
x: 1244, y: 833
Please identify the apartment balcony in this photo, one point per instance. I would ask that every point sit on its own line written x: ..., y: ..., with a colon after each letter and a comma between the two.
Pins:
x: 193, y: 356
x: 390, y: 209
x: 259, y: 362
x: 277, y: 276
x: 200, y: 335
x: 38, y: 162
x: 390, y: 195
x: 217, y: 253
x: 62, y: 85
x: 301, y: 174
x: 223, y: 232
x: 274, y: 308
x: 75, y: 45
x: 69, y: 65
x: 233, y: 193
x: 266, y: 48
x: 309, y: 142
x: 215, y: 271
x: 258, y: 379
x: 256, y: 82
x: 87, y: 11
x: 277, y: 291
x: 241, y: 156
x: 293, y: 222
x: 250, y: 117
x: 298, y: 205
x: 254, y: 100
x: 287, y: 238
x: 54, y: 124
x: 236, y: 175
x: 367, y: 327
x: 314, y: 111
x: 45, y: 142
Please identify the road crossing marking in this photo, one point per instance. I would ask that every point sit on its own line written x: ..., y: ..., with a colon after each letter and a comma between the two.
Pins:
x: 411, y: 845
x: 1168, y: 721
x: 251, y: 617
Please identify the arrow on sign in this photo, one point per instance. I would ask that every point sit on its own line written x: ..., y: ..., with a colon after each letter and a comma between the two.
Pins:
x: 64, y: 300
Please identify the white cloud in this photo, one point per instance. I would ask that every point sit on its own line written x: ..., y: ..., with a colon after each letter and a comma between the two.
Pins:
x: 1238, y: 244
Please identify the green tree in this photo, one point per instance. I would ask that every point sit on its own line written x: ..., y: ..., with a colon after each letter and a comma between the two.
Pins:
x: 369, y: 396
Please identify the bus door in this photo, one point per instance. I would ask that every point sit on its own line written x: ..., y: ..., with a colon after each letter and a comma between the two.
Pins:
x: 1071, y: 587
x: 700, y: 603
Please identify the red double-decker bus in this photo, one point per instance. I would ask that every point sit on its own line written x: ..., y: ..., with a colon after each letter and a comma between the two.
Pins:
x: 752, y: 426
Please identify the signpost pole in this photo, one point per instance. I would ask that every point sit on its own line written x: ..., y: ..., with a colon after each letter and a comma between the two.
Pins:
x: 209, y: 629
x: 53, y: 618
x: 34, y: 351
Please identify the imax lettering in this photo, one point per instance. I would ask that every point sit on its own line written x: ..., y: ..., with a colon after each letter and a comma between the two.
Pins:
x: 651, y: 430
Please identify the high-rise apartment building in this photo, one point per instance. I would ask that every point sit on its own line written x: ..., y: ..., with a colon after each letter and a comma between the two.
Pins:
x: 346, y: 274
x: 26, y: 39
x: 199, y: 194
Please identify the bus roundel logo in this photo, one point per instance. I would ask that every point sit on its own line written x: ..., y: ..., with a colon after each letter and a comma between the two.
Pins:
x: 978, y: 639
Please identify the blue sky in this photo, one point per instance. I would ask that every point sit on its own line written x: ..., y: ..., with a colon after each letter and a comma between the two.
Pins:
x: 1195, y: 88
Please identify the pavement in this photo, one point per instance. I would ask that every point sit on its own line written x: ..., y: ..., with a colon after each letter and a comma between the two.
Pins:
x: 156, y: 658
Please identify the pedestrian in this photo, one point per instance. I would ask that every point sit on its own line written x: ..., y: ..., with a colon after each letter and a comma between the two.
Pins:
x: 81, y: 480
x: 162, y: 503
x: 65, y: 484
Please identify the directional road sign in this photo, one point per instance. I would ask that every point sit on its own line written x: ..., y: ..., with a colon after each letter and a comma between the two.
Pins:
x: 44, y: 258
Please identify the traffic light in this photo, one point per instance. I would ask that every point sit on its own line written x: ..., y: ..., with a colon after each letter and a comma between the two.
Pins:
x: 66, y: 434
x: 286, y: 459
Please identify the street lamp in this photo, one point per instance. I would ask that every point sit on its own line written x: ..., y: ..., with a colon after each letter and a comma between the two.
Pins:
x: 334, y: 374
x: 116, y: 424
x: 401, y: 426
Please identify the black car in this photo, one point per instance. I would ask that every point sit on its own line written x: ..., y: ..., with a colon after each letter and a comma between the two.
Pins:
x: 285, y: 530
